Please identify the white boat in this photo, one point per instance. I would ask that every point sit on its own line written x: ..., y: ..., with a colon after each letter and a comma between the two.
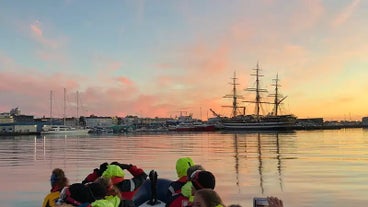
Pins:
x: 62, y: 129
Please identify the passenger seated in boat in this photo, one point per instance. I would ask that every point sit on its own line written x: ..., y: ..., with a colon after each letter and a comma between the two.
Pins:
x: 274, y: 202
x: 207, y: 197
x: 58, y: 181
x: 97, y: 172
x: 113, y: 191
x: 93, y: 194
x: 200, y: 179
x: 182, y: 165
x: 186, y: 190
x: 127, y: 187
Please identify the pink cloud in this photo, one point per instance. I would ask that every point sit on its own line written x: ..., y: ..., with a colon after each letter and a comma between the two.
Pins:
x: 35, y: 27
x: 345, y: 14
x: 28, y: 92
x: 125, y: 80
x: 38, y: 34
x: 307, y: 15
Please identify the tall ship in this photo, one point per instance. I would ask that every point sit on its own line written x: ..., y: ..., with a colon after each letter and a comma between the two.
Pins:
x: 239, y: 120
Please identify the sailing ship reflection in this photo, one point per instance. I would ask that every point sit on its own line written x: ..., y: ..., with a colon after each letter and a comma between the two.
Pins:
x: 266, y: 146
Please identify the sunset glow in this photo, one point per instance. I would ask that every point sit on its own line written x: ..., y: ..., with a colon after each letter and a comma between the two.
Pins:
x: 163, y: 58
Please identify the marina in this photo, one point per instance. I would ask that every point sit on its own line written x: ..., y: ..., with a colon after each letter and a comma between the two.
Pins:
x: 268, y: 97
x: 303, y: 168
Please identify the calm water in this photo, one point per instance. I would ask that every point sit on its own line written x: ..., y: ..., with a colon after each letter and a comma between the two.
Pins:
x: 303, y: 168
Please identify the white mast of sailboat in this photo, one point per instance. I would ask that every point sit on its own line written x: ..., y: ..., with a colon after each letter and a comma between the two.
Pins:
x: 51, y: 107
x: 64, y: 106
x: 77, y: 104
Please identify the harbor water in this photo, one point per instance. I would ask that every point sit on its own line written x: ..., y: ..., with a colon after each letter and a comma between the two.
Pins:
x: 304, y: 168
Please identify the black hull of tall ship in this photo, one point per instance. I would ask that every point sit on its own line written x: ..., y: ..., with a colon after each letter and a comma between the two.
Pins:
x: 285, y: 122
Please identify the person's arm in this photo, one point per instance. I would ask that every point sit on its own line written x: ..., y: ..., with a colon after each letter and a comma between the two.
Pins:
x: 139, y: 176
x: 274, y: 202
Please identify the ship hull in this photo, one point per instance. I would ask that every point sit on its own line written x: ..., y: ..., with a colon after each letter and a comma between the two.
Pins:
x: 263, y: 123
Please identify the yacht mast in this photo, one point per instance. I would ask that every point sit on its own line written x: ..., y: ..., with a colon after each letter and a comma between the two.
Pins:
x: 51, y: 107
x: 77, y: 104
x: 64, y: 106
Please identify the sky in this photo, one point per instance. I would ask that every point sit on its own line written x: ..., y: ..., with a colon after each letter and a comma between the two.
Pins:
x: 163, y: 58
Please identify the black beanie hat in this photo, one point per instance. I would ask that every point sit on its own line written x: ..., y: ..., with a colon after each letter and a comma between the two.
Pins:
x: 98, y: 191
x: 79, y: 192
x: 203, y: 179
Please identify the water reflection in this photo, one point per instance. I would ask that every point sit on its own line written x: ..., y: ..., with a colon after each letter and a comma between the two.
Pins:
x: 266, y: 148
x: 305, y: 168
x: 236, y: 159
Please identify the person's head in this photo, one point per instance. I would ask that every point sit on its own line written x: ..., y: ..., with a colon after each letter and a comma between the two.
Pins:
x: 192, y: 169
x: 202, y: 179
x: 182, y: 165
x: 234, y: 205
x: 80, y: 193
x: 107, y: 184
x: 115, y: 173
x: 58, y: 179
x: 207, y: 198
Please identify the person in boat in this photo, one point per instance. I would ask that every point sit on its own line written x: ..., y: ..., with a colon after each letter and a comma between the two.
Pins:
x: 96, y: 173
x: 112, y: 193
x: 93, y: 194
x: 274, y: 202
x: 186, y: 190
x: 174, y: 190
x: 207, y: 197
x: 58, y: 181
x: 127, y: 187
x: 200, y: 179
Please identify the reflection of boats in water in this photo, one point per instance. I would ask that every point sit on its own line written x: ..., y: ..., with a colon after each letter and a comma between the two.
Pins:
x: 62, y: 129
x: 256, y: 121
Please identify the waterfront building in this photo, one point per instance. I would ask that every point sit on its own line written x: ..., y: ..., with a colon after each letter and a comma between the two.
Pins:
x: 365, y: 122
x: 94, y: 121
x: 6, y: 118
x: 17, y: 129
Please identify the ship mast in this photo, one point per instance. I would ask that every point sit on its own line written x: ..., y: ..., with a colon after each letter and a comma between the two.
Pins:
x: 258, y: 91
x: 235, y: 96
x: 277, y: 95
